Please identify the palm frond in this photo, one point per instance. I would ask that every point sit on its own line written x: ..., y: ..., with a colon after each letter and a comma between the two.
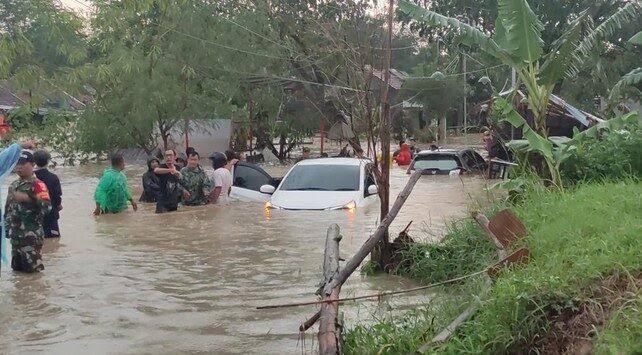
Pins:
x: 632, y: 78
x: 522, y: 30
x: 636, y: 39
x: 468, y: 34
x: 563, y: 60
x: 627, y: 14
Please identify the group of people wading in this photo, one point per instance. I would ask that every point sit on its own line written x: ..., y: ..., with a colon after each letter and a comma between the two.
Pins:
x: 34, y: 200
x: 167, y: 183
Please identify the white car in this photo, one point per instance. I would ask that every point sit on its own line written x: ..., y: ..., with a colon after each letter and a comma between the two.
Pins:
x: 313, y: 184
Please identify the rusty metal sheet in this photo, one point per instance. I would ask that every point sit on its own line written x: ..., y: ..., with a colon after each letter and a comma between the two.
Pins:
x: 507, y: 227
x: 520, y: 256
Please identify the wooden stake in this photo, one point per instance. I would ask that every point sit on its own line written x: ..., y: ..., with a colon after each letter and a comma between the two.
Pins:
x: 328, y: 314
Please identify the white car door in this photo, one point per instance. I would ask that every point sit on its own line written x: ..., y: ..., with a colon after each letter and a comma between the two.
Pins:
x: 247, y: 180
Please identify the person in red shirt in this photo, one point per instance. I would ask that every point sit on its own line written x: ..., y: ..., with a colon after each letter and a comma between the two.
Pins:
x: 404, y: 157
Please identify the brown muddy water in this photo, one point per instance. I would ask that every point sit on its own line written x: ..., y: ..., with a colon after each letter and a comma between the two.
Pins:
x: 189, y: 282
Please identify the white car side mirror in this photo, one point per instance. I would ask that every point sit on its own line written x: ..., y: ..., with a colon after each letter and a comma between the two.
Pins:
x: 373, y: 190
x: 267, y: 189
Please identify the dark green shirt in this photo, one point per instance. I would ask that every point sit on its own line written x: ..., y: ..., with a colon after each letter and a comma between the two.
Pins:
x: 195, y: 181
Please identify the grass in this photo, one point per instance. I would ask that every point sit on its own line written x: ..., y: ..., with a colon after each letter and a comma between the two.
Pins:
x: 577, y: 239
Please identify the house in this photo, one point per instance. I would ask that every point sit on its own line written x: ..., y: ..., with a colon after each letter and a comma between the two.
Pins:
x: 562, y: 117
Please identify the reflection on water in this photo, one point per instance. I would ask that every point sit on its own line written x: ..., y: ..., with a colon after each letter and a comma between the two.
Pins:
x: 190, y: 281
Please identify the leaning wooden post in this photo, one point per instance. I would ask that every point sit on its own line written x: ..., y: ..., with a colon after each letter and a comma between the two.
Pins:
x: 329, y: 312
x: 370, y: 244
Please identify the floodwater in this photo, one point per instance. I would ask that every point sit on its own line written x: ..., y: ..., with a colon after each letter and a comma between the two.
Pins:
x: 189, y: 282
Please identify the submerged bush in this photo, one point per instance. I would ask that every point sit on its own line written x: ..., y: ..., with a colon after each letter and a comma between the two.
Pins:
x: 464, y: 249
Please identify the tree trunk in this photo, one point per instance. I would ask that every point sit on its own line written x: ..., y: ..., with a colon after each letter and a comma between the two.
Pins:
x: 382, y: 253
x: 165, y: 137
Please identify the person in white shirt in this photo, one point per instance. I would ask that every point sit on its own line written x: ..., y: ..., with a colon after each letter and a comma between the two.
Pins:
x: 221, y: 179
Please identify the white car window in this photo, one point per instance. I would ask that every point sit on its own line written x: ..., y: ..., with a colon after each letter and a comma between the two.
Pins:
x: 249, y: 178
x: 435, y: 161
x: 322, y: 178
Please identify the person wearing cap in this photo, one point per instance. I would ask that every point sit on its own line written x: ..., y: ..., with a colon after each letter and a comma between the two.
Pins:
x: 220, y: 178
x: 28, y: 203
x: 50, y: 224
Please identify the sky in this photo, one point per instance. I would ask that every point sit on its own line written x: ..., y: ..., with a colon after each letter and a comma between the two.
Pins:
x: 77, y: 5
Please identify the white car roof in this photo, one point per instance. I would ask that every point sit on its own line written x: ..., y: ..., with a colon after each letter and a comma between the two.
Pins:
x: 332, y: 161
x: 427, y: 152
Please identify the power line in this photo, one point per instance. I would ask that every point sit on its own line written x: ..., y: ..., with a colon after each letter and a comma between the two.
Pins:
x: 228, y: 47
x: 464, y: 73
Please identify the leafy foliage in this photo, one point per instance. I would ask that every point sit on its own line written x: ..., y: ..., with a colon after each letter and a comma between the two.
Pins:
x: 613, y: 152
x: 576, y: 238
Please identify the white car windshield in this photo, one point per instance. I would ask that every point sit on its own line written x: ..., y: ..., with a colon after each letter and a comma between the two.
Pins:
x: 322, y: 178
x: 436, y: 161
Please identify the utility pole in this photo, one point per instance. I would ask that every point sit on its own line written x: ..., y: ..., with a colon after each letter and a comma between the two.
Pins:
x: 464, y: 78
x: 513, y: 85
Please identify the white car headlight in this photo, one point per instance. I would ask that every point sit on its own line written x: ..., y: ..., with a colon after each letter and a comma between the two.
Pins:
x: 270, y: 205
x: 351, y: 206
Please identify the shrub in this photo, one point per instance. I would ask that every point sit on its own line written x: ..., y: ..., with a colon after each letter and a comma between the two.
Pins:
x: 612, y: 155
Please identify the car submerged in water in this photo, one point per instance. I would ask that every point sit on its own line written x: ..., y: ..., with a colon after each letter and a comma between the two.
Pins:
x: 312, y: 184
x: 447, y: 161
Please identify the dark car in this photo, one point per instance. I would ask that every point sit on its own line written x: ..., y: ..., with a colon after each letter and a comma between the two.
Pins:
x: 443, y: 161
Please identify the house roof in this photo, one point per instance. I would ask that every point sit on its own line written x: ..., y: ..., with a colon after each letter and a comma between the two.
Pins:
x: 8, y: 98
x: 397, y: 77
x: 558, y: 108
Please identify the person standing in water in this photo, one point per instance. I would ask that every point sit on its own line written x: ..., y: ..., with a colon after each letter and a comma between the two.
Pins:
x: 404, y: 157
x: 151, y: 184
x: 195, y: 181
x: 170, y: 186
x: 220, y: 179
x: 28, y: 202
x: 50, y: 223
x: 112, y: 193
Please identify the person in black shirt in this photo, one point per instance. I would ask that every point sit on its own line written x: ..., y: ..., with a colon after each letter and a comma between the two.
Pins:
x: 171, y: 189
x: 50, y: 221
x: 151, y: 187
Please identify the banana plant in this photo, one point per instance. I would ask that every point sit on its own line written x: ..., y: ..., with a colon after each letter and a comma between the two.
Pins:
x: 517, y: 42
x: 553, y: 151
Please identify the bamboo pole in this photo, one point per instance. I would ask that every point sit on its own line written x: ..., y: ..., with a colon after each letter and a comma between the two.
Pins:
x: 372, y: 241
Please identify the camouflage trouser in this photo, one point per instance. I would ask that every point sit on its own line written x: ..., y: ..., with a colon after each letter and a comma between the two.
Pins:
x: 25, y: 255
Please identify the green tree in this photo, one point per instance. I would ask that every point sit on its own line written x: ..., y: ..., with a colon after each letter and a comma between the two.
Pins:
x: 149, y: 71
x: 39, y: 42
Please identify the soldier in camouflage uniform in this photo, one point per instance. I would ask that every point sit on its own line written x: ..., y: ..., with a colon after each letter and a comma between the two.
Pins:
x: 195, y: 181
x: 27, y: 204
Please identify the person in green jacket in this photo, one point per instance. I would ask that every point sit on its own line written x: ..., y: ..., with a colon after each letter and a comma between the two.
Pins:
x: 112, y: 193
